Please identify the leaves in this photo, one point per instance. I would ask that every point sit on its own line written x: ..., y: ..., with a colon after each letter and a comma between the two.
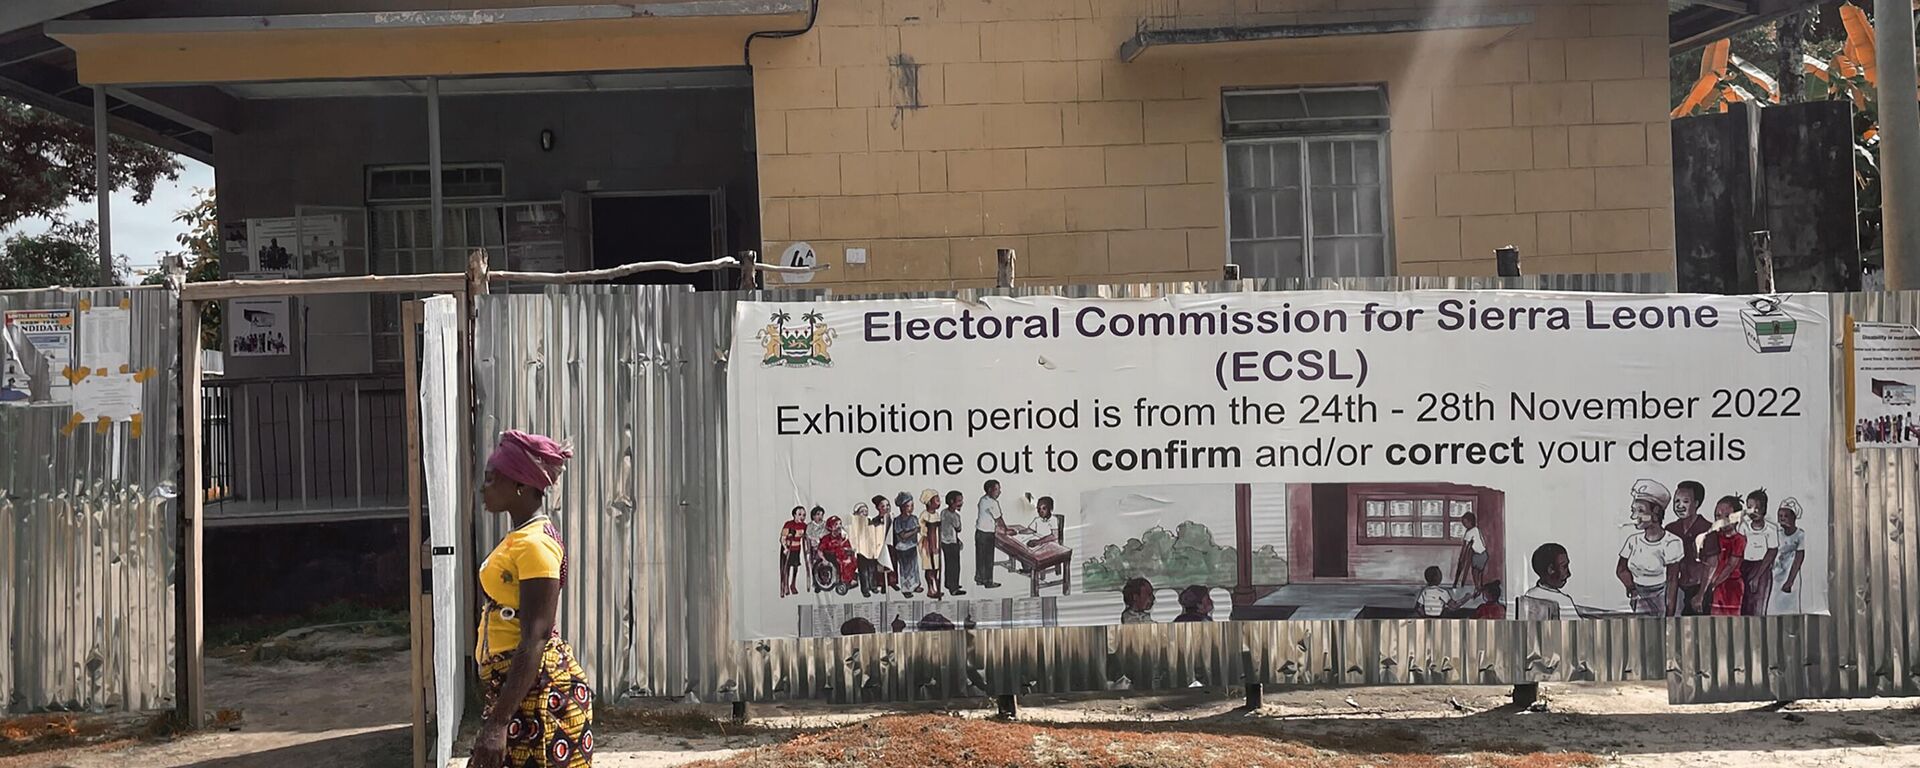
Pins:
x: 47, y: 161
x: 65, y: 255
x: 201, y: 254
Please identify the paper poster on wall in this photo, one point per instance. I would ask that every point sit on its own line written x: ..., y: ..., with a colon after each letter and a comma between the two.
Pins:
x: 105, y: 334
x: 323, y: 245
x: 313, y: 245
x: 1886, y: 374
x: 233, y: 238
x: 16, y: 379
x: 110, y: 397
x: 258, y: 327
x: 536, y: 237
x: 50, y: 331
x: 924, y: 464
x: 271, y: 243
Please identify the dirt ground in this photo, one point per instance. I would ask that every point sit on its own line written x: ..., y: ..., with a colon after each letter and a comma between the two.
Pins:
x: 334, y: 698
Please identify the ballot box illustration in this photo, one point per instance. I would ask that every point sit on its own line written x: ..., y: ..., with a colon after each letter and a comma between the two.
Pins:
x: 1768, y: 327
x: 1894, y: 393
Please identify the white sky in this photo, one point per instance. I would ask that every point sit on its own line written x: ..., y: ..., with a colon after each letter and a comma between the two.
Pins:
x: 140, y: 232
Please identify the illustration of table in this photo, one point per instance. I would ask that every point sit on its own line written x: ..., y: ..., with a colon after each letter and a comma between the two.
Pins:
x: 1039, y: 561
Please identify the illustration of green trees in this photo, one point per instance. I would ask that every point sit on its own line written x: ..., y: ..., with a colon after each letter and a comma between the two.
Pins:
x: 1184, y: 556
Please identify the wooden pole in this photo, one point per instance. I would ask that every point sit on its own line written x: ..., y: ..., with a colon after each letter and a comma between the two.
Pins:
x: 189, y: 694
x: 421, y: 646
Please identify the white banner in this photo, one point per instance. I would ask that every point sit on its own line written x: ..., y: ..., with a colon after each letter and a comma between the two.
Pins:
x: 1252, y: 456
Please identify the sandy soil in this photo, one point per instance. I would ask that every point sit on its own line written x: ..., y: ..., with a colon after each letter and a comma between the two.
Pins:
x: 346, y: 709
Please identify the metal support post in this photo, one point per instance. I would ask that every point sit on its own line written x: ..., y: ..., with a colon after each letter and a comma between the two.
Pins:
x: 1003, y: 277
x: 1254, y: 694
x: 1525, y: 694
x: 1899, y: 143
x: 1006, y: 706
x: 435, y: 184
x: 103, y: 184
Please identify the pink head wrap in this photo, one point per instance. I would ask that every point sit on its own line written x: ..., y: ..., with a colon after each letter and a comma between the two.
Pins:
x: 532, y: 460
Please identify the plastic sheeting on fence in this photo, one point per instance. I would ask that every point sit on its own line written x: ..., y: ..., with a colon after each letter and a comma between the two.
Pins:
x: 87, y: 530
x: 635, y: 376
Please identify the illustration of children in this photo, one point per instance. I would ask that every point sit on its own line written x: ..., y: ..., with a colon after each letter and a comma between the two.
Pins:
x: 1432, y: 600
x: 1763, y: 549
x: 1137, y: 594
x: 1723, y: 549
x: 1473, y: 552
x: 1195, y: 605
x: 1490, y: 607
x: 793, y: 542
x: 1793, y: 554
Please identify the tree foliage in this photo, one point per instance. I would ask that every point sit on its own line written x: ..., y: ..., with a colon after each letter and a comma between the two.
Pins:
x: 46, y: 162
x: 1182, y: 557
x: 200, y: 252
x: 66, y: 255
x: 1821, y: 35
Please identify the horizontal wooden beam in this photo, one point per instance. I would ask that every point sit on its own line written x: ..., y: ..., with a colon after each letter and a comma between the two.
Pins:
x: 452, y: 282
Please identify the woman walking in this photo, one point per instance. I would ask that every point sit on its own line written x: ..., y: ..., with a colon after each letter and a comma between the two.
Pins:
x: 539, y: 709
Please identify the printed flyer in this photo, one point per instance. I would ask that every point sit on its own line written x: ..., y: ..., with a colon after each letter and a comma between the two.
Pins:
x: 932, y: 464
x: 1886, y: 370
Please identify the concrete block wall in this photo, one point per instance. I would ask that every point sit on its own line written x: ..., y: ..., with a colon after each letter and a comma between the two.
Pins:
x: 931, y: 132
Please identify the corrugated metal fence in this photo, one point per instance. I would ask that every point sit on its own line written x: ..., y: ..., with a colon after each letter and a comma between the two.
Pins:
x: 635, y: 376
x: 87, y: 525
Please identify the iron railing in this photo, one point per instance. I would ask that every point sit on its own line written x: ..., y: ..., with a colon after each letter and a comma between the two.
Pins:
x: 304, y: 448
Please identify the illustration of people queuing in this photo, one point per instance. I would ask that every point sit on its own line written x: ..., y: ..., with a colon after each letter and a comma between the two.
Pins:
x: 1898, y: 428
x: 909, y: 544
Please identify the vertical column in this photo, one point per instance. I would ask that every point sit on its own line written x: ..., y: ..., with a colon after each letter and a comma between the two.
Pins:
x: 1900, y: 142
x: 103, y: 184
x: 434, y: 184
x: 189, y: 693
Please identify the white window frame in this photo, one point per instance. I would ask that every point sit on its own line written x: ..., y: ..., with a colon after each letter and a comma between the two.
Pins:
x: 1304, y: 140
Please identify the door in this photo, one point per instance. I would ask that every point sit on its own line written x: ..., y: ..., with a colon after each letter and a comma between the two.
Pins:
x: 441, y: 414
x: 1330, y: 531
x: 681, y: 227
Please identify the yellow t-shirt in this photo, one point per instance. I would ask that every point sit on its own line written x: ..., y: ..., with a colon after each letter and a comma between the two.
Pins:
x: 526, y: 553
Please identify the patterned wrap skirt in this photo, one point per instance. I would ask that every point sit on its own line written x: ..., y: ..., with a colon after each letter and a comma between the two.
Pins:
x: 553, y: 727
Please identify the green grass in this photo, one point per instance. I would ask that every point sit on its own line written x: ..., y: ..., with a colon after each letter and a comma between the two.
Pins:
x: 256, y: 629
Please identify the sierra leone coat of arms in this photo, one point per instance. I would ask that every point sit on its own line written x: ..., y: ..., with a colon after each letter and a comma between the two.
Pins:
x: 796, y: 346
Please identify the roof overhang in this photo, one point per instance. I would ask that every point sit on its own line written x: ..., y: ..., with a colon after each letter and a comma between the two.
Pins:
x: 1465, y: 29
x: 1695, y: 23
x: 341, y: 46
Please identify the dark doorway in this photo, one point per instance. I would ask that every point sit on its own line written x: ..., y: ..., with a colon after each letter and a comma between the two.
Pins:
x: 679, y: 228
x: 1330, y: 530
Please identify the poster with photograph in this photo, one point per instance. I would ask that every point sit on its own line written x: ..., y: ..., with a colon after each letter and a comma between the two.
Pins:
x: 1886, y: 373
x: 916, y: 465
x: 50, y: 331
x: 258, y: 327
x: 309, y: 246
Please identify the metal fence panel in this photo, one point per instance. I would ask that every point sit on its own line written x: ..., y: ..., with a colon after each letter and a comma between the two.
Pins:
x: 87, y: 527
x: 636, y: 377
x: 1869, y: 644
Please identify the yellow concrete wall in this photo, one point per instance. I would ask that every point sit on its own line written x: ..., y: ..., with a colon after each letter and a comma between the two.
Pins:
x: 933, y: 131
